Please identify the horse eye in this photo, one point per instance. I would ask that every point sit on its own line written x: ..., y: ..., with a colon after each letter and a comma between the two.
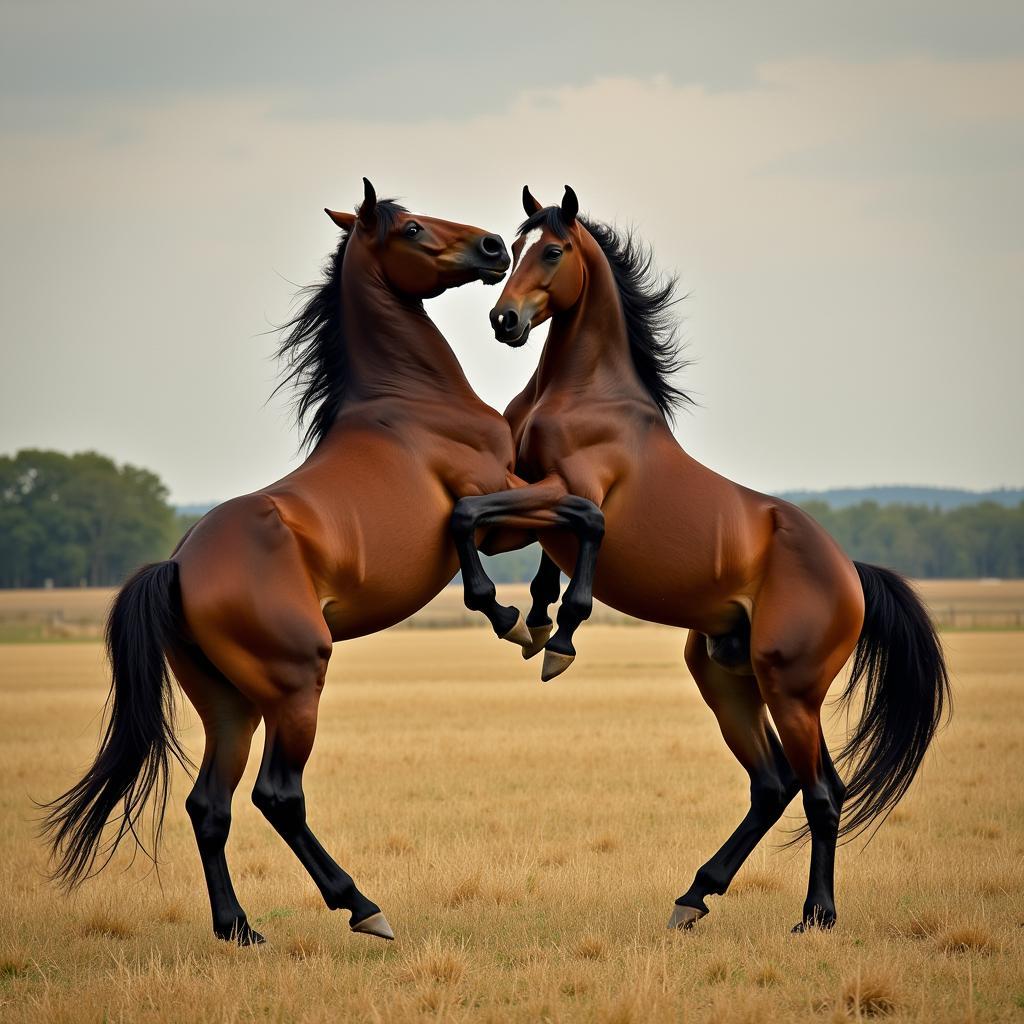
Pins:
x: 412, y: 229
x: 552, y: 253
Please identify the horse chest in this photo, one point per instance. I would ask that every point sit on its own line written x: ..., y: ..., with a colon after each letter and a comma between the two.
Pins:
x: 478, y: 455
x: 574, y: 448
x: 545, y: 440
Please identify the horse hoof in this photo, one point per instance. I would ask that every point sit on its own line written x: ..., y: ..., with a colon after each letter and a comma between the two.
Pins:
x: 539, y: 637
x: 555, y: 664
x: 519, y: 633
x: 824, y: 924
x: 240, y: 933
x: 684, y: 918
x: 250, y: 937
x: 375, y: 924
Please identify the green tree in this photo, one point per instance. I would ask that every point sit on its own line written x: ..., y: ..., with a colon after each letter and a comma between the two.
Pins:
x: 986, y: 539
x: 78, y: 518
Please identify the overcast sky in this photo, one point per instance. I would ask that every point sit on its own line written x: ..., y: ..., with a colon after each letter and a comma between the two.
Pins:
x: 839, y: 188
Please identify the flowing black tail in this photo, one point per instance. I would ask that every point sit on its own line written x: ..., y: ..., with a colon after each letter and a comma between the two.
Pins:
x: 134, y: 759
x: 899, y: 661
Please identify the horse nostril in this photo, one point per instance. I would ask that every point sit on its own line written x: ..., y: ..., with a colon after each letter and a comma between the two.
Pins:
x: 509, y: 320
x: 492, y: 246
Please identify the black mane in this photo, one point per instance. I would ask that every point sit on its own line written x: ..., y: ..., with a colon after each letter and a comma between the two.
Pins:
x: 646, y: 300
x: 314, y: 350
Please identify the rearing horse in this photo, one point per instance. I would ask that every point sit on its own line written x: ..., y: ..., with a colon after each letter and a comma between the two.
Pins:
x: 773, y: 606
x: 354, y: 540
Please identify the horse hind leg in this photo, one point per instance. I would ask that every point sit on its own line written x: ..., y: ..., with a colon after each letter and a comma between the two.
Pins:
x: 806, y: 622
x: 794, y: 687
x: 740, y: 711
x: 229, y: 720
x: 278, y: 793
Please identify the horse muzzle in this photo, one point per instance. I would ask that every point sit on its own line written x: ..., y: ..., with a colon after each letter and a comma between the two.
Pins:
x: 509, y: 328
x: 492, y: 259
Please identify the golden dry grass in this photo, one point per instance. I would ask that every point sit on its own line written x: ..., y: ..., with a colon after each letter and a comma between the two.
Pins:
x: 526, y: 842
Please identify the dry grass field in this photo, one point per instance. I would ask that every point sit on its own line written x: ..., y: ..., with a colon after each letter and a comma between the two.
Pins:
x: 526, y: 841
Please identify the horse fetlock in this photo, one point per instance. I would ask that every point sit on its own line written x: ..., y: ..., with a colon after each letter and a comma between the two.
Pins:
x: 343, y: 895
x: 575, y: 609
x: 707, y: 882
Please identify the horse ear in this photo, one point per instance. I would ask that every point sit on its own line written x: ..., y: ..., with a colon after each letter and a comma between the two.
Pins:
x: 368, y: 207
x: 530, y: 205
x: 570, y: 206
x: 345, y: 221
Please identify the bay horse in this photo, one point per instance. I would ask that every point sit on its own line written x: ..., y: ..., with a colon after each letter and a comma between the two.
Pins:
x: 357, y: 538
x: 774, y: 607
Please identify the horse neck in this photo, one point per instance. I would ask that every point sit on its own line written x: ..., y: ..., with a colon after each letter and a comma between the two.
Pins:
x: 393, y: 347
x: 587, y: 347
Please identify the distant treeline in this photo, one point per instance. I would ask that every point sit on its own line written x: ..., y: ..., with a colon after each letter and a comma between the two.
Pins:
x: 69, y: 520
x: 906, y: 494
x: 961, y: 543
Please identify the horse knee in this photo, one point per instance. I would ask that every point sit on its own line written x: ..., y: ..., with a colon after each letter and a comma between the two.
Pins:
x: 589, y: 519
x: 283, y: 805
x: 464, y: 518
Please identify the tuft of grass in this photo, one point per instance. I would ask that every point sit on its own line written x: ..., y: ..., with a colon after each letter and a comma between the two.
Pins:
x: 766, y: 976
x: 968, y: 939
x: 574, y: 987
x: 107, y: 925
x: 434, y: 964
x: 716, y: 971
x: 467, y: 890
x: 987, y: 830
x: 396, y: 845
x: 605, y: 844
x: 13, y: 964
x: 591, y: 947
x: 554, y: 859
x: 871, y: 994
x: 756, y: 880
x: 301, y: 948
x: 172, y: 913
x: 922, y: 925
x: 626, y: 1009
x: 255, y: 869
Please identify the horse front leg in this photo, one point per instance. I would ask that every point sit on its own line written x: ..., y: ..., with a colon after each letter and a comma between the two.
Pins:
x: 544, y: 591
x: 586, y: 520
x: 544, y: 505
